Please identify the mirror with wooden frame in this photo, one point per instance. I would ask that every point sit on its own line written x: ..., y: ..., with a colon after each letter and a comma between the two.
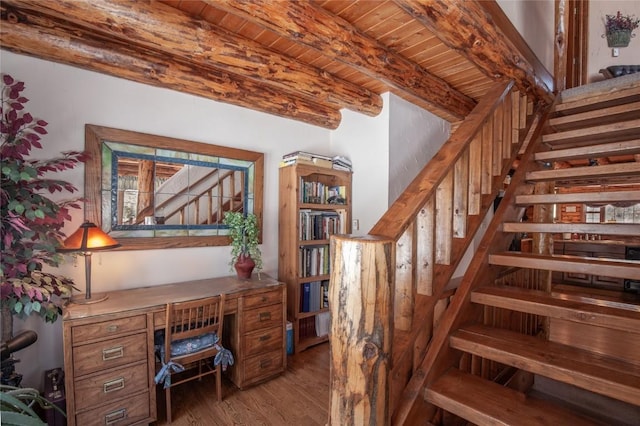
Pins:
x: 151, y: 192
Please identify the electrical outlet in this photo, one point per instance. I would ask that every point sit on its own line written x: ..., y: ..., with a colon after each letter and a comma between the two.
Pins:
x: 356, y: 224
x: 615, y: 52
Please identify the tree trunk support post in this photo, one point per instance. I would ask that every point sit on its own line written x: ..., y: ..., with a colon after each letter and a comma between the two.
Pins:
x: 361, y: 305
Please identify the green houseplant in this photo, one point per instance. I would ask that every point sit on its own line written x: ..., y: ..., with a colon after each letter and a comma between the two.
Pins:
x: 30, y: 223
x: 17, y: 406
x: 244, y: 233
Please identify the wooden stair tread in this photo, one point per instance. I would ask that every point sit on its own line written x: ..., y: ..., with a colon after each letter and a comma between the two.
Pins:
x: 581, y: 228
x: 617, y: 268
x: 483, y: 402
x: 587, y: 370
x: 593, y: 100
x: 592, y: 172
x: 603, y: 297
x: 591, y: 151
x: 542, y: 303
x: 579, y: 197
x: 594, y: 134
x: 600, y: 116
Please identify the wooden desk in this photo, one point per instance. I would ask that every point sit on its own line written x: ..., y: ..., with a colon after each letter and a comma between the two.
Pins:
x: 108, y: 346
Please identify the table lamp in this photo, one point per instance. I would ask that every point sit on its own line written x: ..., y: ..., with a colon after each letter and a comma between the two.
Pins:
x: 87, y: 239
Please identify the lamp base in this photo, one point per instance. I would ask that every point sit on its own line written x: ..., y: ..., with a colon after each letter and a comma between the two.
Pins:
x: 80, y: 299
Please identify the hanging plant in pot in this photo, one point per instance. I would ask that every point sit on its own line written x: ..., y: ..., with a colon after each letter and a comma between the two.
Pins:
x: 244, y: 233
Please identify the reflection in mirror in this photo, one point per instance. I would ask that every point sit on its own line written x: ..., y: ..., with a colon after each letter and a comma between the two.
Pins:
x: 162, y: 192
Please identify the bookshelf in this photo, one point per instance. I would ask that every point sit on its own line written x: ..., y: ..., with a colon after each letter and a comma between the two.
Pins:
x: 306, y: 221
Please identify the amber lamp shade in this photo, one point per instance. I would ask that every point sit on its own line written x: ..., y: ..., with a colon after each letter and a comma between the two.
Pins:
x: 87, y: 239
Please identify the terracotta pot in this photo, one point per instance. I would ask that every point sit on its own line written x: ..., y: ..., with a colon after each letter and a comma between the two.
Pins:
x: 244, y: 266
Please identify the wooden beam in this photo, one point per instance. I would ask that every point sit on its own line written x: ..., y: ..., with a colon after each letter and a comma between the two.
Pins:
x: 312, y: 26
x: 478, y: 30
x: 46, y: 38
x: 361, y: 299
x: 165, y: 29
x: 561, y: 44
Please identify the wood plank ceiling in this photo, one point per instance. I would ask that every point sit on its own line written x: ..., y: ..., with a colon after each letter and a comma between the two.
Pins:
x: 305, y: 60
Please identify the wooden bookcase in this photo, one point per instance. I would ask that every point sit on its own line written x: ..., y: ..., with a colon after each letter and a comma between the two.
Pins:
x: 306, y: 219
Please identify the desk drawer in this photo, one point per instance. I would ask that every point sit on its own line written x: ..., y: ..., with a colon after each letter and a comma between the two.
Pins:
x: 105, y: 329
x: 109, y: 354
x: 268, y: 316
x: 263, y: 299
x: 124, y: 412
x: 263, y: 340
x: 263, y: 366
x: 110, y: 386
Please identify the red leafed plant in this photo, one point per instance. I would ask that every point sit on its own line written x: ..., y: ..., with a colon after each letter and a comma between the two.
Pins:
x: 31, y: 223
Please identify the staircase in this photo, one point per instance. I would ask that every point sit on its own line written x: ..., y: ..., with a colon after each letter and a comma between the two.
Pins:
x: 518, y: 326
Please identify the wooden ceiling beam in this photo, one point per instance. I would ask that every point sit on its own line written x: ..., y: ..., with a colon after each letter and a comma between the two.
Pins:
x: 45, y: 38
x: 165, y: 29
x: 475, y: 30
x: 308, y: 24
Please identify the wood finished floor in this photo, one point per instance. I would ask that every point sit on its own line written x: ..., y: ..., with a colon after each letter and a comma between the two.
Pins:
x: 300, y: 396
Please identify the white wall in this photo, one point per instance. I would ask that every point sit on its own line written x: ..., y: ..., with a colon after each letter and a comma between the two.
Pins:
x: 415, y: 136
x: 534, y: 20
x: 599, y: 53
x: 69, y: 97
x: 365, y: 140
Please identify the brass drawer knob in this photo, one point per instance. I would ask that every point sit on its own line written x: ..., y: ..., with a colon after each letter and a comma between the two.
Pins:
x: 113, y: 385
x: 112, y: 353
x: 115, y: 416
x: 265, y: 316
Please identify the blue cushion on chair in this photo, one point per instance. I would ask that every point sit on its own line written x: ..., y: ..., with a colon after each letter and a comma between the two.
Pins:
x: 194, y: 344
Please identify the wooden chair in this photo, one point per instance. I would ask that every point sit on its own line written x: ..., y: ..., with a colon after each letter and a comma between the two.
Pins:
x: 189, y: 324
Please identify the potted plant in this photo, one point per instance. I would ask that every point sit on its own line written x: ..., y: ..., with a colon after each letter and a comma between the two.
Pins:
x: 244, y: 233
x: 618, y: 29
x: 30, y: 222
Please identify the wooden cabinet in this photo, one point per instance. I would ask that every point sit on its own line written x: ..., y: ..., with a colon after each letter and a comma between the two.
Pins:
x: 109, y: 354
x: 589, y: 249
x: 261, y: 345
x: 314, y: 203
x: 108, y: 376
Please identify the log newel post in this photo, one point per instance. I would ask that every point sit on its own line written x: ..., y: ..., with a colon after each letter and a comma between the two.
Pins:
x: 361, y: 304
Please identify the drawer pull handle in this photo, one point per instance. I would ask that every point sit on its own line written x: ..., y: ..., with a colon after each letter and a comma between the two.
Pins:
x: 264, y: 299
x: 265, y: 363
x: 265, y: 316
x: 264, y: 338
x: 115, y: 416
x: 113, y: 385
x: 113, y: 353
x: 112, y: 328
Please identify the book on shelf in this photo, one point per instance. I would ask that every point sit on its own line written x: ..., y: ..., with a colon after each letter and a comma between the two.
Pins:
x: 324, y: 287
x: 318, y: 162
x: 341, y: 163
x: 322, y: 324
x: 306, y: 155
x: 306, y: 297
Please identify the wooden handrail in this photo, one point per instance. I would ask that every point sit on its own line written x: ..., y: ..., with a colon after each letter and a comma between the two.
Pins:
x: 404, y: 210
x: 418, y: 244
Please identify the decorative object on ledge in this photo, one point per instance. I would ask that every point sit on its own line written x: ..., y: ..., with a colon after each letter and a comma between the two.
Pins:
x: 87, y: 239
x: 619, y: 29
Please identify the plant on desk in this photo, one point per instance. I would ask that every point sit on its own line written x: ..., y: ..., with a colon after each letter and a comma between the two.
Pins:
x: 244, y: 233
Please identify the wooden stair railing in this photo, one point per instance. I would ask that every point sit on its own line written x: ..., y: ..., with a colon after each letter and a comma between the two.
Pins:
x: 390, y: 287
x: 586, y: 338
